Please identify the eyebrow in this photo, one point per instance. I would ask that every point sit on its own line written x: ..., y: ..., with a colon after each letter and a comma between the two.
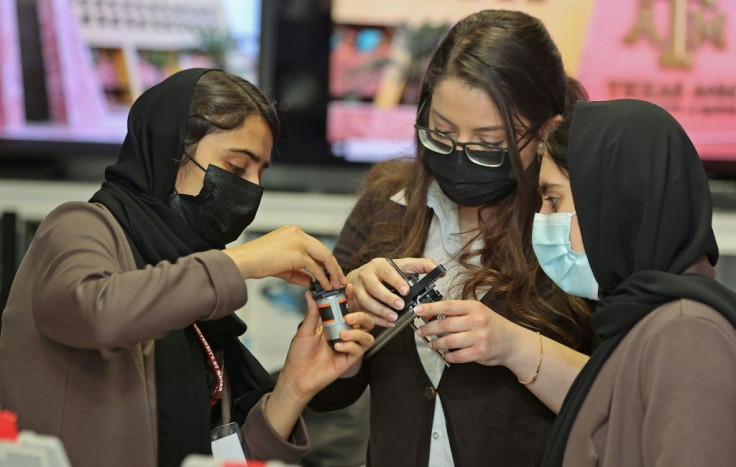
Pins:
x: 253, y: 156
x: 546, y: 187
x: 485, y: 128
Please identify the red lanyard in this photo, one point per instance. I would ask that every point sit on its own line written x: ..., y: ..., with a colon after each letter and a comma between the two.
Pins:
x: 217, y: 392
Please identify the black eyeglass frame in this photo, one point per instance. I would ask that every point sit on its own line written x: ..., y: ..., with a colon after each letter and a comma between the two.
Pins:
x: 504, y: 151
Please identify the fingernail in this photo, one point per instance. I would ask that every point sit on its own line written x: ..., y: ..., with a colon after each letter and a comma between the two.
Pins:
x: 418, y: 310
x: 398, y: 304
x: 418, y: 332
x: 393, y: 316
x: 404, y: 290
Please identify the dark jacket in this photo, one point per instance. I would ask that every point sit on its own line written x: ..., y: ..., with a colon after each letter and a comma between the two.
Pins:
x: 491, y: 418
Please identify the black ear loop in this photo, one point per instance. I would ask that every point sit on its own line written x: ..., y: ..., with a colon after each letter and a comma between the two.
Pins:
x: 195, y: 161
x: 201, y: 127
x: 204, y: 129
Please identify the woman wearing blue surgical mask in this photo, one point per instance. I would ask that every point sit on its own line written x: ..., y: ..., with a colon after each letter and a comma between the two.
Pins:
x: 514, y: 341
x: 626, y: 216
x: 119, y: 335
x: 555, y: 231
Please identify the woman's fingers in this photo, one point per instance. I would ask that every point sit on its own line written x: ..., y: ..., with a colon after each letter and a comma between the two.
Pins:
x: 460, y: 340
x: 461, y: 356
x: 353, y: 349
x: 381, y: 313
x: 322, y: 255
x: 360, y: 320
x: 386, y: 273
x: 447, y: 308
x: 318, y: 273
x: 415, y: 265
x: 297, y: 277
x: 288, y: 253
x: 374, y: 280
x: 358, y: 336
x: 312, y: 318
x: 376, y: 285
x: 446, y: 325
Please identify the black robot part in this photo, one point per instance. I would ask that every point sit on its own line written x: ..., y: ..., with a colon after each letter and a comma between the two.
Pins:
x: 319, y: 293
x: 421, y: 291
x: 422, y: 286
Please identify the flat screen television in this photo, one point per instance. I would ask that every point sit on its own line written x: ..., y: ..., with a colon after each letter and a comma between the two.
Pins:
x: 344, y: 75
x: 680, y: 54
x: 72, y: 68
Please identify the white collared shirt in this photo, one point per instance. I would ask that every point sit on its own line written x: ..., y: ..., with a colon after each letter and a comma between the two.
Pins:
x: 443, y: 245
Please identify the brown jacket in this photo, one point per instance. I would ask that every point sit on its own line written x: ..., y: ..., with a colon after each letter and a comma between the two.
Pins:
x: 77, y: 344
x: 666, y: 396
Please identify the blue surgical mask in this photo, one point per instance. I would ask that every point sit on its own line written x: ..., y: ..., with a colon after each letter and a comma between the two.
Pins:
x: 568, y: 269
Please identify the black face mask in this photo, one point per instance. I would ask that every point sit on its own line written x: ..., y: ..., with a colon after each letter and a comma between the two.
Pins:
x: 469, y: 184
x: 224, y: 207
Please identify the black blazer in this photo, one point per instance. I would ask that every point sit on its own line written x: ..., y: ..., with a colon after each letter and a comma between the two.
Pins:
x: 491, y: 418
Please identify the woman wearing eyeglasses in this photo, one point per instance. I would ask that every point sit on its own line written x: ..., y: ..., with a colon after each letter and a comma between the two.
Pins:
x: 514, y: 341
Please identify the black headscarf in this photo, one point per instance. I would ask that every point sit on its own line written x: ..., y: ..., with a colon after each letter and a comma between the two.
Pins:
x: 136, y: 191
x: 643, y: 204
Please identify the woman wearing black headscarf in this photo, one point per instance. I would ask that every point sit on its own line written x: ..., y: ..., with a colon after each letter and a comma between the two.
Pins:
x: 658, y: 390
x: 119, y: 335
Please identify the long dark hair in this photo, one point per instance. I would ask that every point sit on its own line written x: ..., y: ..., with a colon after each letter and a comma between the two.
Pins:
x: 511, y: 57
x: 222, y: 101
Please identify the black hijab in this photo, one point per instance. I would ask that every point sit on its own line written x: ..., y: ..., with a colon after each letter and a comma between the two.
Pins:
x: 136, y: 191
x: 643, y: 204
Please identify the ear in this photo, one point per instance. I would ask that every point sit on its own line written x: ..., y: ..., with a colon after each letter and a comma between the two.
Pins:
x: 549, y: 125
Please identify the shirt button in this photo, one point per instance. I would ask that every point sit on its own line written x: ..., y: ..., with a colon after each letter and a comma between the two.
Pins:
x: 436, y: 435
x: 429, y: 393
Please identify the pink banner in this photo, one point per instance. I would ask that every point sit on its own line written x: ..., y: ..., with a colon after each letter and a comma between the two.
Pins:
x: 680, y: 54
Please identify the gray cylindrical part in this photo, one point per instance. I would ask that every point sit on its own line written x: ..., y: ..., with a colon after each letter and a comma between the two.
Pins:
x: 332, y: 310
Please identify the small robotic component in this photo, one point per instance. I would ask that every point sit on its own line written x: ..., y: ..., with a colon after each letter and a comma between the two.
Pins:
x: 420, y: 291
x: 333, y: 306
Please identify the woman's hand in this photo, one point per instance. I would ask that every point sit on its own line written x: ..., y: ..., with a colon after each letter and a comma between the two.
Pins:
x: 472, y: 331
x: 290, y: 254
x: 371, y: 282
x: 475, y: 333
x: 311, y: 365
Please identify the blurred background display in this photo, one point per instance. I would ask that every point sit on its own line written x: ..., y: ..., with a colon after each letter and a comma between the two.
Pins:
x: 72, y: 68
x: 680, y: 54
x: 345, y: 74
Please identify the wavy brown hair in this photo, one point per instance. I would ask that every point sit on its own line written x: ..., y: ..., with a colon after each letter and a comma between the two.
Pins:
x: 510, y: 56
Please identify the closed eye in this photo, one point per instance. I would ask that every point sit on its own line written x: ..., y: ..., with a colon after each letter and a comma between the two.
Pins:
x: 444, y: 132
x: 552, y: 201
x: 237, y: 170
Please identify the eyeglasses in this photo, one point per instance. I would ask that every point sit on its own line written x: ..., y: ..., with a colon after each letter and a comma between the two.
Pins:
x: 484, y: 154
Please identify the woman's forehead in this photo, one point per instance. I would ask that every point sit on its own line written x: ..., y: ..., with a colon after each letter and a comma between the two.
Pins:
x: 463, y: 105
